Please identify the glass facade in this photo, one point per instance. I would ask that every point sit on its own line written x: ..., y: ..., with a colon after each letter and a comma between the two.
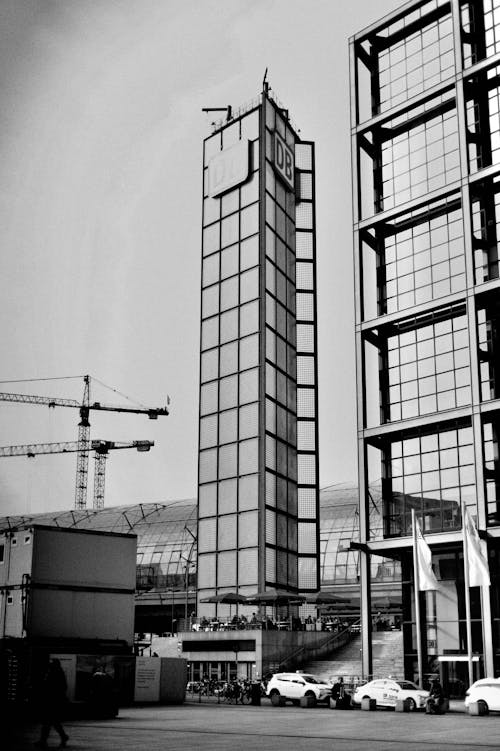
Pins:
x: 426, y: 148
x: 166, y: 553
x: 258, y: 491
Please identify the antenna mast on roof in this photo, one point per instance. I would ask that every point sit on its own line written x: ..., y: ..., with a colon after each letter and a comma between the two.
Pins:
x: 265, y: 84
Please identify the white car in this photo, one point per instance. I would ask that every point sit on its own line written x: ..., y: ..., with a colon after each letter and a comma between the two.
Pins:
x: 486, y: 691
x: 387, y: 692
x: 293, y: 686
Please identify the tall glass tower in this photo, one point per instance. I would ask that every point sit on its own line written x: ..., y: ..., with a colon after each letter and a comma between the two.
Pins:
x: 425, y: 93
x: 258, y: 494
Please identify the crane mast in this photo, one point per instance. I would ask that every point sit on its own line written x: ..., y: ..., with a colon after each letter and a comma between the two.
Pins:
x: 82, y: 459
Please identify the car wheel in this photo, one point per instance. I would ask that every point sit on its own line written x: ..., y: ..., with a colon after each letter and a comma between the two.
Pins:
x: 274, y: 692
x: 313, y: 695
x: 483, y: 707
x: 411, y: 704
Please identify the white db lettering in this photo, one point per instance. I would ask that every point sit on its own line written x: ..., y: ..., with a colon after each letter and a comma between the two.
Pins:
x: 284, y: 161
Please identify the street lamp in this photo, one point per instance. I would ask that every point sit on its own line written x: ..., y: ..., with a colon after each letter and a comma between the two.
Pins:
x: 189, y: 563
x: 236, y: 650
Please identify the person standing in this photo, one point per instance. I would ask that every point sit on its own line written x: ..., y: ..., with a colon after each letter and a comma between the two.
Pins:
x: 53, y: 702
x: 436, y: 698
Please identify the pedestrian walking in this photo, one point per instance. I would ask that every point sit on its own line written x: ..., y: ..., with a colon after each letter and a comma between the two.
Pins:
x: 53, y: 701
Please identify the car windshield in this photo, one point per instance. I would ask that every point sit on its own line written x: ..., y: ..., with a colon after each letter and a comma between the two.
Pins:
x: 311, y: 679
x: 408, y: 685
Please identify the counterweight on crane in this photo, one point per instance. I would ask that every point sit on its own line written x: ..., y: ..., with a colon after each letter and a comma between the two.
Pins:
x: 101, y: 448
x: 82, y: 459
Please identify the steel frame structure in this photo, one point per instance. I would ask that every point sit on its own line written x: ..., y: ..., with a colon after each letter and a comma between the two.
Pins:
x: 464, y: 89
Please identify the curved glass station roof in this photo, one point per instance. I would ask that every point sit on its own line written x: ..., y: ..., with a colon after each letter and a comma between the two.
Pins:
x: 166, y: 536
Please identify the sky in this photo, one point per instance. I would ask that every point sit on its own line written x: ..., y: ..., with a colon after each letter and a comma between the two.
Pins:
x: 101, y: 131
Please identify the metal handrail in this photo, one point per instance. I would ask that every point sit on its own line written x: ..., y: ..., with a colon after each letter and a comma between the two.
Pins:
x: 343, y: 636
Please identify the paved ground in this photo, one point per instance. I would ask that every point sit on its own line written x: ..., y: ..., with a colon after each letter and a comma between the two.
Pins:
x: 210, y: 726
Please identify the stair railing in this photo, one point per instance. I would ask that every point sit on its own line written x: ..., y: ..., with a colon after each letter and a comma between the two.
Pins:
x: 335, y: 641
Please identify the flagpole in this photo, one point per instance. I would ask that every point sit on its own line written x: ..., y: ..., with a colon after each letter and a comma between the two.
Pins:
x: 467, y: 597
x: 416, y: 581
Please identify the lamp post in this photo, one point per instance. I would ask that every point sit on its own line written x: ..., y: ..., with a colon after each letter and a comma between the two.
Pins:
x: 236, y: 650
x: 187, y: 570
x: 189, y: 563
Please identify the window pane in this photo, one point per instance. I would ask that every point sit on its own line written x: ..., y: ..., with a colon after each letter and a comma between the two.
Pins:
x: 227, y: 496
x: 209, y: 365
x: 250, y: 220
x: 210, y: 301
x: 209, y: 398
x: 229, y: 326
x: 229, y: 358
x: 229, y: 261
x: 248, y: 492
x: 210, y: 333
x: 249, y: 456
x: 228, y: 392
x: 249, y: 421
x: 228, y: 426
x: 249, y: 352
x: 227, y: 461
x: 249, y: 318
x: 211, y: 238
x: 211, y: 269
x: 249, y: 386
x: 249, y: 285
x: 229, y: 230
x: 229, y: 293
x: 249, y: 252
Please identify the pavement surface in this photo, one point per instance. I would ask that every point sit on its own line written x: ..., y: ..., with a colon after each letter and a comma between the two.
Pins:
x: 211, y: 726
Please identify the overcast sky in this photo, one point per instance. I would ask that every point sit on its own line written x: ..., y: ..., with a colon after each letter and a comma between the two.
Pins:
x: 101, y: 136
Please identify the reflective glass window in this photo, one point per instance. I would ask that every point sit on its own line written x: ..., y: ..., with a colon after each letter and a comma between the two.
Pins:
x: 228, y: 426
x: 249, y: 318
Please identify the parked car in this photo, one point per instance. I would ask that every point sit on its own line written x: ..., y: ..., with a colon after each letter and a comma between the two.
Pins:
x: 486, y: 691
x: 387, y: 692
x: 293, y: 686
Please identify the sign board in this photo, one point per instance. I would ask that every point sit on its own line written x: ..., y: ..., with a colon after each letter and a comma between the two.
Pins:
x: 228, y: 168
x: 147, y: 679
x: 284, y: 161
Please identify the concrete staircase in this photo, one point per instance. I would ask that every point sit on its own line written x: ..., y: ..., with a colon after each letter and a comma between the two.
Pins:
x: 387, y: 658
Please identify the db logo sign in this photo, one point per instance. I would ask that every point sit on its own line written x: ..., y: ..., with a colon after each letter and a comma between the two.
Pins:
x: 284, y: 161
x: 228, y: 168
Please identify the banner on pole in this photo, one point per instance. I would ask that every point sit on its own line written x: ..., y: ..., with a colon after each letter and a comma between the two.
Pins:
x: 426, y: 578
x: 479, y: 574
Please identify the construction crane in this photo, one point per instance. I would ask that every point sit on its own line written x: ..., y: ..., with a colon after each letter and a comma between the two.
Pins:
x: 82, y: 459
x: 101, y: 448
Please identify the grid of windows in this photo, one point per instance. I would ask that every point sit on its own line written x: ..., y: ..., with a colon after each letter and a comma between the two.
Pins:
x: 280, y: 333
x: 480, y: 41
x: 485, y: 210
x: 424, y: 258
x: 428, y: 351
x: 306, y: 370
x: 229, y: 390
x: 488, y: 332
x: 491, y: 434
x: 431, y: 473
x: 232, y: 333
x: 483, y: 119
x: 416, y: 62
x: 420, y: 157
x: 428, y: 369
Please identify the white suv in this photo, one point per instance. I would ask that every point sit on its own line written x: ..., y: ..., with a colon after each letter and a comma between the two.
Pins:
x: 293, y: 686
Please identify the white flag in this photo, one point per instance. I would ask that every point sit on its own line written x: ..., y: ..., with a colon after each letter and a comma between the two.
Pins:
x: 423, y: 556
x: 479, y: 574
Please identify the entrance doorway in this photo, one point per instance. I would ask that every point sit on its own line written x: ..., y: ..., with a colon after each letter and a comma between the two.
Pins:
x: 454, y: 674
